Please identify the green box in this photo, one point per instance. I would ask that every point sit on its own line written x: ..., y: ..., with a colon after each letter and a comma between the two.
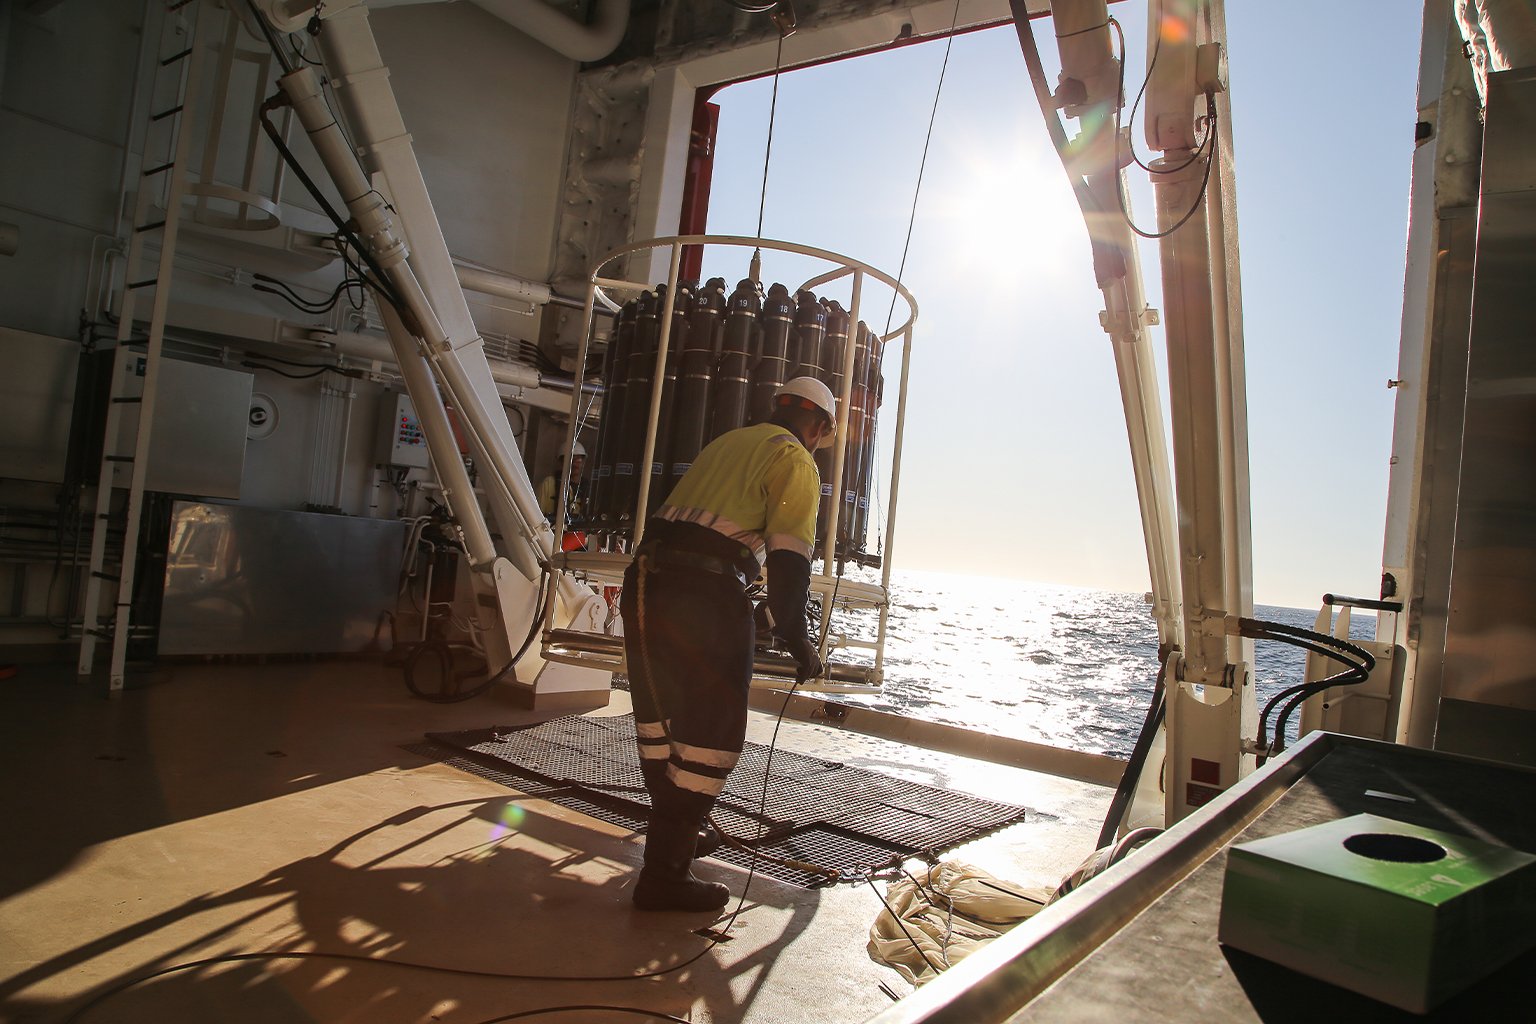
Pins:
x: 1404, y: 914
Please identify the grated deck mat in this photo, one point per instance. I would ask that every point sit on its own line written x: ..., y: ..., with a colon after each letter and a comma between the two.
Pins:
x: 822, y: 812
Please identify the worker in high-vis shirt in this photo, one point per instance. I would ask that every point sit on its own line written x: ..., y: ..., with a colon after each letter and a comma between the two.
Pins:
x: 747, y: 503
x: 549, y: 487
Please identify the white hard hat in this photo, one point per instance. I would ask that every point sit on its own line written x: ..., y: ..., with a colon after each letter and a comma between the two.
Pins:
x: 814, y: 394
x: 577, y: 451
x: 813, y: 391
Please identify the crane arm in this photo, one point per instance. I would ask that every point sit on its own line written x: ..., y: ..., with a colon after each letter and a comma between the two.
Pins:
x: 1195, y: 519
x: 436, y: 344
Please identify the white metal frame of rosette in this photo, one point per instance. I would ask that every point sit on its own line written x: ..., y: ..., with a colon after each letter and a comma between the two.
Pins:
x: 837, y: 593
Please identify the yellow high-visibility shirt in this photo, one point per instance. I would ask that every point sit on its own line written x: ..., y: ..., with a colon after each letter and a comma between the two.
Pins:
x: 756, y: 485
x: 575, y: 506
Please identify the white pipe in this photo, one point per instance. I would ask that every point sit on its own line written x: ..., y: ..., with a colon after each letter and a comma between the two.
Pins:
x: 564, y: 35
x: 490, y: 282
x: 546, y: 394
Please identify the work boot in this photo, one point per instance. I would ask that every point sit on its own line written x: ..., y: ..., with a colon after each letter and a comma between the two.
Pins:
x: 666, y: 883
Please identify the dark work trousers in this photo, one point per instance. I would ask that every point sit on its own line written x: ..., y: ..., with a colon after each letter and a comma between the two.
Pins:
x: 689, y: 681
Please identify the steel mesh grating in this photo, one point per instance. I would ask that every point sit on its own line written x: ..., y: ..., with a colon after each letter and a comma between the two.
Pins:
x: 818, y: 811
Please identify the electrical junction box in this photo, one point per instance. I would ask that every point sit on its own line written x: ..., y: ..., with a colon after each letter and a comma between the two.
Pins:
x: 401, y: 441
x: 1404, y: 914
x: 197, y: 445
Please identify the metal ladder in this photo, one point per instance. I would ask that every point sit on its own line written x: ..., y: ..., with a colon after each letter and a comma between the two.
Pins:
x: 183, y: 50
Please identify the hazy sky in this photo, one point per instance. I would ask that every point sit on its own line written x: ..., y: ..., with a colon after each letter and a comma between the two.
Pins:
x: 1016, y: 461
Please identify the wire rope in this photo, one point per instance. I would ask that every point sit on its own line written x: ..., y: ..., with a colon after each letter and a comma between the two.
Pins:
x: 773, y: 108
x: 1084, y: 31
x: 922, y: 165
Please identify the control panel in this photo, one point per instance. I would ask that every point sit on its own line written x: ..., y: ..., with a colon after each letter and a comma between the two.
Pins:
x: 401, y: 442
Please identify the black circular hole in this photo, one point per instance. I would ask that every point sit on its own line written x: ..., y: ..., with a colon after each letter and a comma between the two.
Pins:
x: 1395, y: 848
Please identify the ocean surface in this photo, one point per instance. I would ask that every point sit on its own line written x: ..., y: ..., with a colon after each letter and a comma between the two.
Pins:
x: 1053, y: 664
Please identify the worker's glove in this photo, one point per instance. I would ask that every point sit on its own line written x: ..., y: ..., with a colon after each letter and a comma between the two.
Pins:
x: 807, y: 660
x: 789, y: 582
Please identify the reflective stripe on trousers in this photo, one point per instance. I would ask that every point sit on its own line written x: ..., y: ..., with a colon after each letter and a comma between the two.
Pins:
x: 689, y: 678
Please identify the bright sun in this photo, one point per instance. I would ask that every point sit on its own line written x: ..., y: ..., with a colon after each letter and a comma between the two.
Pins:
x: 1008, y: 212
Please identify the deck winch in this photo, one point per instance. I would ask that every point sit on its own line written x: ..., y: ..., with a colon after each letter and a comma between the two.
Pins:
x: 687, y: 362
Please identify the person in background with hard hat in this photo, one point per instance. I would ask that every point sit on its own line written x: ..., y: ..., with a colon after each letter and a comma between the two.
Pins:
x: 748, y: 502
x: 575, y: 503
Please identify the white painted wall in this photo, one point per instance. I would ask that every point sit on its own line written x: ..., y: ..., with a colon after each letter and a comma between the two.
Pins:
x: 488, y: 110
x: 63, y: 117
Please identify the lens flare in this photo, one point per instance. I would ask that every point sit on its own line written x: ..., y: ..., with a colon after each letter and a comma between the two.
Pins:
x: 508, y: 821
x: 1175, y: 29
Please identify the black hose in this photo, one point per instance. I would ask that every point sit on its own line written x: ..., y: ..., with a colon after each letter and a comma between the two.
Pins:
x: 1350, y: 677
x: 444, y: 652
x: 1126, y: 790
x: 379, y: 282
x: 1357, y: 660
x: 283, y: 290
x: 1294, y: 703
x: 287, y: 373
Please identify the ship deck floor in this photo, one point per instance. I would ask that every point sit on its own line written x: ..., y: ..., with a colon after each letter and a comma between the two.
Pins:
x: 223, y: 809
